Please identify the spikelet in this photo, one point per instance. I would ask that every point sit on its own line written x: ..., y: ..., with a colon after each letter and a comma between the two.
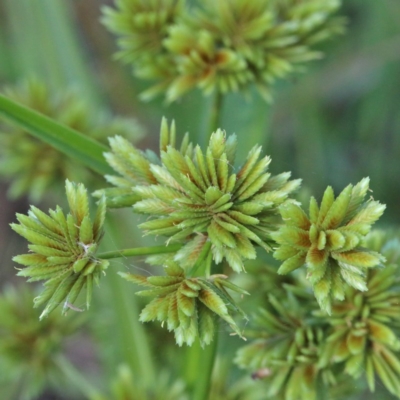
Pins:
x: 188, y: 306
x: 62, y: 249
x: 330, y: 241
x: 194, y: 195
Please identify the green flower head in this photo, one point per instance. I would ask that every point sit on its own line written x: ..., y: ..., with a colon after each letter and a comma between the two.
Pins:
x: 220, y: 45
x: 188, y: 305
x: 30, y: 349
x: 330, y: 241
x: 197, y: 196
x: 286, y: 348
x: 63, y: 249
x: 365, y: 328
x: 142, y: 27
x: 33, y: 167
x: 226, y: 385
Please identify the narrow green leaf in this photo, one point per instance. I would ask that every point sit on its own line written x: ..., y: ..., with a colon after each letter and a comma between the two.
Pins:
x: 64, y: 139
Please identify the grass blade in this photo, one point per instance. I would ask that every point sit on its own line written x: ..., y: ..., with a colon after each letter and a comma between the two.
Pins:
x: 64, y: 139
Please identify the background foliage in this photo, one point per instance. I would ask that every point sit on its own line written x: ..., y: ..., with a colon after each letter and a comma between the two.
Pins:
x: 335, y: 124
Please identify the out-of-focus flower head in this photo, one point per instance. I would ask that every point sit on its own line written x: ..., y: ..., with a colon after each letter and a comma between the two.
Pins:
x: 33, y: 166
x: 125, y: 387
x: 220, y: 45
x: 62, y: 249
x: 29, y: 348
x: 142, y: 27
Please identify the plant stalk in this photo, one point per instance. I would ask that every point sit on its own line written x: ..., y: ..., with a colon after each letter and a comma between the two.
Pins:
x: 17, y: 388
x: 215, y: 113
x: 134, y: 341
x: 199, y: 368
x: 200, y: 260
x: 139, y: 251
x: 76, y: 377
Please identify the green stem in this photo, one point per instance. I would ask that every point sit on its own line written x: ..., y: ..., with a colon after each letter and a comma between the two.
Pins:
x: 16, y: 389
x: 133, y: 339
x: 200, y: 260
x: 139, y: 251
x: 76, y: 377
x: 200, y: 362
x: 197, y: 358
x: 199, y: 368
x: 215, y: 113
x: 64, y: 139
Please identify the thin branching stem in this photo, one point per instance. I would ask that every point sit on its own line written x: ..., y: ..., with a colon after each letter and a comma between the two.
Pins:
x: 76, y: 377
x: 134, y: 340
x: 139, y: 251
x: 202, y: 259
x: 215, y: 113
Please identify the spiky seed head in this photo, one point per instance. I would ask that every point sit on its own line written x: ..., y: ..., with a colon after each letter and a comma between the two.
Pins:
x: 29, y: 347
x: 188, y: 306
x: 33, y: 167
x: 330, y: 241
x: 243, y: 388
x: 62, y: 249
x: 364, y: 333
x: 198, y: 196
x: 220, y: 46
x: 142, y: 28
x: 285, y: 342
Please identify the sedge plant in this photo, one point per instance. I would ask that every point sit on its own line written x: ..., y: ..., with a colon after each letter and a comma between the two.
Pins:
x: 334, y: 318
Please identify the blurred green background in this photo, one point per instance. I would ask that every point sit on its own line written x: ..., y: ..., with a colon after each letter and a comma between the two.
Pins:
x: 334, y: 124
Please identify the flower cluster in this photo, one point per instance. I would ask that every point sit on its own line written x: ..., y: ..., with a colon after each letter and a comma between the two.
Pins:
x: 286, y: 349
x: 195, y: 196
x: 366, y: 327
x: 295, y: 346
x: 34, y: 166
x: 29, y: 348
x: 223, y: 46
x: 223, y: 387
x: 125, y: 387
x: 187, y: 305
x: 63, y: 249
x: 330, y: 241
